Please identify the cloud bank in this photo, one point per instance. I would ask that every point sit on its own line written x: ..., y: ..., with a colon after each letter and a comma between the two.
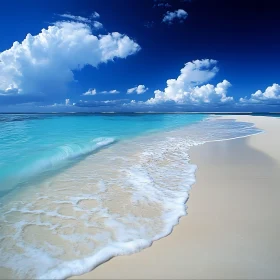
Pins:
x: 188, y: 88
x: 43, y: 64
x: 270, y: 95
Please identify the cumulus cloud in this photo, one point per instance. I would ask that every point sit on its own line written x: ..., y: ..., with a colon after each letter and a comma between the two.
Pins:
x: 44, y: 63
x: 170, y: 17
x: 270, y: 95
x: 186, y: 88
x: 90, y: 92
x: 138, y: 89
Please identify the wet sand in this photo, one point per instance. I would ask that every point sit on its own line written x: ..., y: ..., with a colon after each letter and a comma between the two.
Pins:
x: 232, y: 228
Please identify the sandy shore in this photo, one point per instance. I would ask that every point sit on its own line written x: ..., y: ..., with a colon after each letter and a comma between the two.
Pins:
x: 232, y: 228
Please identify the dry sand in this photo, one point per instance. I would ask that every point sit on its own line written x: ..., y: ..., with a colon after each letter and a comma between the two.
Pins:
x: 233, y: 226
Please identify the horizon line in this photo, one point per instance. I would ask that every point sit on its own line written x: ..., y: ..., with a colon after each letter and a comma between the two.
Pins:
x: 204, y: 112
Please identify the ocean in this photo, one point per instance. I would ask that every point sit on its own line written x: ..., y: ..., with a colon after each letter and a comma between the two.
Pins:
x: 79, y: 189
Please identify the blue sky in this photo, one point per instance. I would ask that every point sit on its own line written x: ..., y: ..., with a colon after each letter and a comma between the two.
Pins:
x: 115, y: 55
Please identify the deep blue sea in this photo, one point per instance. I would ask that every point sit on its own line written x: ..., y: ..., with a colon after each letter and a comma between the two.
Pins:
x: 78, y: 189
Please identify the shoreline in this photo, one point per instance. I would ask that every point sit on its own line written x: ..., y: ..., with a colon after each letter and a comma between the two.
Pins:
x: 189, y: 252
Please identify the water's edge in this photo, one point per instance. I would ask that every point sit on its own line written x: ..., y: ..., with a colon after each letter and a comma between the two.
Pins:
x: 144, y: 244
x: 128, y: 248
x: 180, y: 195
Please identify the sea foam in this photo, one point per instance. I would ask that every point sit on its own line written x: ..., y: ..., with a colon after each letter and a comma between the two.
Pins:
x: 115, y: 202
x: 54, y: 158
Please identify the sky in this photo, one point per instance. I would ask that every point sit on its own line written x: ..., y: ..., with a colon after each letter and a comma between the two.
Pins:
x: 139, y: 56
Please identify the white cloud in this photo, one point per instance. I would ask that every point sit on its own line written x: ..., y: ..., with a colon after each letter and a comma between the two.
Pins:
x: 76, y: 18
x: 186, y: 88
x: 61, y: 105
x: 180, y: 14
x: 44, y: 63
x: 95, y: 15
x: 113, y: 91
x: 94, y: 92
x: 271, y: 94
x: 165, y: 5
x: 138, y: 89
x: 98, y: 103
x: 90, y: 92
x: 97, y: 25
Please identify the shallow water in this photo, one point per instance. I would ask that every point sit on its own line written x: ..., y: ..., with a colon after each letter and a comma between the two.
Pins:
x: 115, y: 201
x: 31, y: 144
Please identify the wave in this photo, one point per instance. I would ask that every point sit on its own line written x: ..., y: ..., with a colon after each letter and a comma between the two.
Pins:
x: 56, y: 158
x: 116, y: 203
x: 71, y: 151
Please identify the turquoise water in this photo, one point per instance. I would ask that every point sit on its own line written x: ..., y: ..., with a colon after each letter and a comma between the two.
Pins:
x: 33, y: 144
x: 78, y: 190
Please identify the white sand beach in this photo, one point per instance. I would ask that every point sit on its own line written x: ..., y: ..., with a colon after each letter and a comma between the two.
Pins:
x: 232, y: 227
